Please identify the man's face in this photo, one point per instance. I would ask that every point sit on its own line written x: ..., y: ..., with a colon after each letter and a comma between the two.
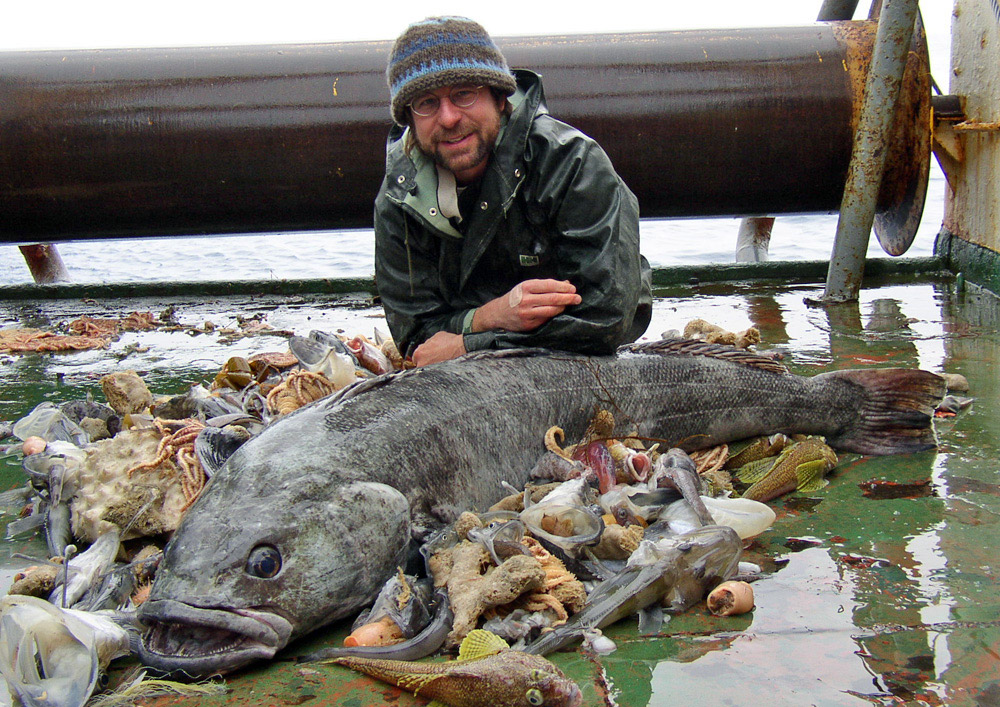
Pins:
x: 459, y: 139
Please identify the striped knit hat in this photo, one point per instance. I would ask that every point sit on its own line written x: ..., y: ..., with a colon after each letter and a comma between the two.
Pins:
x: 443, y: 51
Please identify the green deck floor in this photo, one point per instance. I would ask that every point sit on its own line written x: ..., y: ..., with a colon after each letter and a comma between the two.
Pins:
x: 867, y: 600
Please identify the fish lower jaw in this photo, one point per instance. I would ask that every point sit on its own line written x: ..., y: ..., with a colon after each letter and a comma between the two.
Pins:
x: 224, y: 643
x: 197, y: 651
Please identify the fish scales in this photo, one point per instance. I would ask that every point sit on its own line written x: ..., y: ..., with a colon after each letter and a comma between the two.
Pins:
x: 305, y: 522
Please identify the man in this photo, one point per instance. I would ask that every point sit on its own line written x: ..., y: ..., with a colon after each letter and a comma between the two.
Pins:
x: 497, y: 226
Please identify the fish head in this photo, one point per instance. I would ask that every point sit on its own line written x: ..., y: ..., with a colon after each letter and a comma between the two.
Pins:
x: 699, y: 559
x: 532, y: 680
x: 261, y: 558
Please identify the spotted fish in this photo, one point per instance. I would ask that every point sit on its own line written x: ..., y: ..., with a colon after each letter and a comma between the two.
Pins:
x: 487, y: 673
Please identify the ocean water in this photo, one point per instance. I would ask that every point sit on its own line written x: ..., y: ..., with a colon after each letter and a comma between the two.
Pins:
x: 350, y: 253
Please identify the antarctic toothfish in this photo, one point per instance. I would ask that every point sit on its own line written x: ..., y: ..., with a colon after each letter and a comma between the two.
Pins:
x: 305, y: 522
x: 487, y: 673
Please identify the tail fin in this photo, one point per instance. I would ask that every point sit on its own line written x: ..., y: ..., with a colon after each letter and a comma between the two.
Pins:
x: 897, y: 410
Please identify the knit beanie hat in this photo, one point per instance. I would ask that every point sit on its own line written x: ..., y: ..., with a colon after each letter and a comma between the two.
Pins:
x: 443, y: 51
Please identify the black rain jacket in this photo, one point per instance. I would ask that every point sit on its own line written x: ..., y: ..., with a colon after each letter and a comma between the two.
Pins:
x: 550, y: 205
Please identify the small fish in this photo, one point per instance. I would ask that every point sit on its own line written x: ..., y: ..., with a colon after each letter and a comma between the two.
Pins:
x: 756, y: 449
x: 214, y: 445
x: 198, y: 402
x: 500, y: 539
x: 675, y: 571
x: 676, y: 470
x: 53, y: 473
x: 487, y: 673
x: 801, y: 466
x: 369, y: 355
x: 632, y: 505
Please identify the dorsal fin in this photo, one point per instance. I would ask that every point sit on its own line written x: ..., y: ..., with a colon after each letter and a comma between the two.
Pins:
x: 693, y: 347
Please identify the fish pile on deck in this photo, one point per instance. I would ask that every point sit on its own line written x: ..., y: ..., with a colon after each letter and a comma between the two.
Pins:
x: 285, y: 516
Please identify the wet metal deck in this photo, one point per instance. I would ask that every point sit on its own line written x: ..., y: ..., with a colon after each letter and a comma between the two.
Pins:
x: 869, y: 599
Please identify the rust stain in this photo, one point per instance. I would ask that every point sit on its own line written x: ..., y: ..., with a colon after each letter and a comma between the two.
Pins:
x: 882, y: 490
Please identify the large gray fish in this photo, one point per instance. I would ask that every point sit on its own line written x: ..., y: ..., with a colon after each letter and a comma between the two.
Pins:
x: 305, y: 522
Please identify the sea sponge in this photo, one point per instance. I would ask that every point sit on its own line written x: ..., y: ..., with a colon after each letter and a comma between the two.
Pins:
x: 713, y: 334
x: 466, y: 522
x: 35, y: 581
x: 152, y: 500
x: 471, y: 592
x: 126, y: 392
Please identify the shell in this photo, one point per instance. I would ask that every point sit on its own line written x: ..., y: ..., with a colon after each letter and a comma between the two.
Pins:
x: 33, y: 445
x: 730, y: 599
x: 379, y: 633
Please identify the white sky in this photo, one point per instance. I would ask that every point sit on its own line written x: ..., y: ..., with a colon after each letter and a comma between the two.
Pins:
x: 93, y: 24
x: 128, y: 23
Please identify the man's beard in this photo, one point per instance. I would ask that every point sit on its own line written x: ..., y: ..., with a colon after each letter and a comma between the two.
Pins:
x: 487, y: 137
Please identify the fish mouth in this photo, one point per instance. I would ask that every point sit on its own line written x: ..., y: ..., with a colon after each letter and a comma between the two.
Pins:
x: 185, y: 640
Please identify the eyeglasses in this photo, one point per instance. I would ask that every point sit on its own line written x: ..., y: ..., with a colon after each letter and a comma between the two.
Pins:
x: 460, y: 97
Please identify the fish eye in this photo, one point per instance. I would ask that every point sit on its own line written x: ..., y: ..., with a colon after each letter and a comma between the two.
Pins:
x: 264, y: 562
x: 534, y: 696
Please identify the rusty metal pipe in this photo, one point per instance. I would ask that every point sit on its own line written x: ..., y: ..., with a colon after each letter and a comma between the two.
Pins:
x: 150, y: 142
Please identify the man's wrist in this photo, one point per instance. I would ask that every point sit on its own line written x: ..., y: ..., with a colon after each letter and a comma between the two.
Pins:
x: 467, y: 322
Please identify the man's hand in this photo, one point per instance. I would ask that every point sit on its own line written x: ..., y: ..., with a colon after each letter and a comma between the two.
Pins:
x: 443, y: 346
x: 529, y: 305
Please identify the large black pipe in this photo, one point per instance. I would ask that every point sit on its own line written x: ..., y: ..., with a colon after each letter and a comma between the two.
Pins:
x: 146, y: 142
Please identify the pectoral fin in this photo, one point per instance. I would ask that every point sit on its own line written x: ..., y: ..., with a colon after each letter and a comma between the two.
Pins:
x: 810, y: 475
x: 754, y: 471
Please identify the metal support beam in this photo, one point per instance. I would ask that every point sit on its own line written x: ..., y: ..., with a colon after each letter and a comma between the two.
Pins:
x: 833, y: 10
x: 45, y: 263
x: 857, y: 209
x: 753, y: 239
